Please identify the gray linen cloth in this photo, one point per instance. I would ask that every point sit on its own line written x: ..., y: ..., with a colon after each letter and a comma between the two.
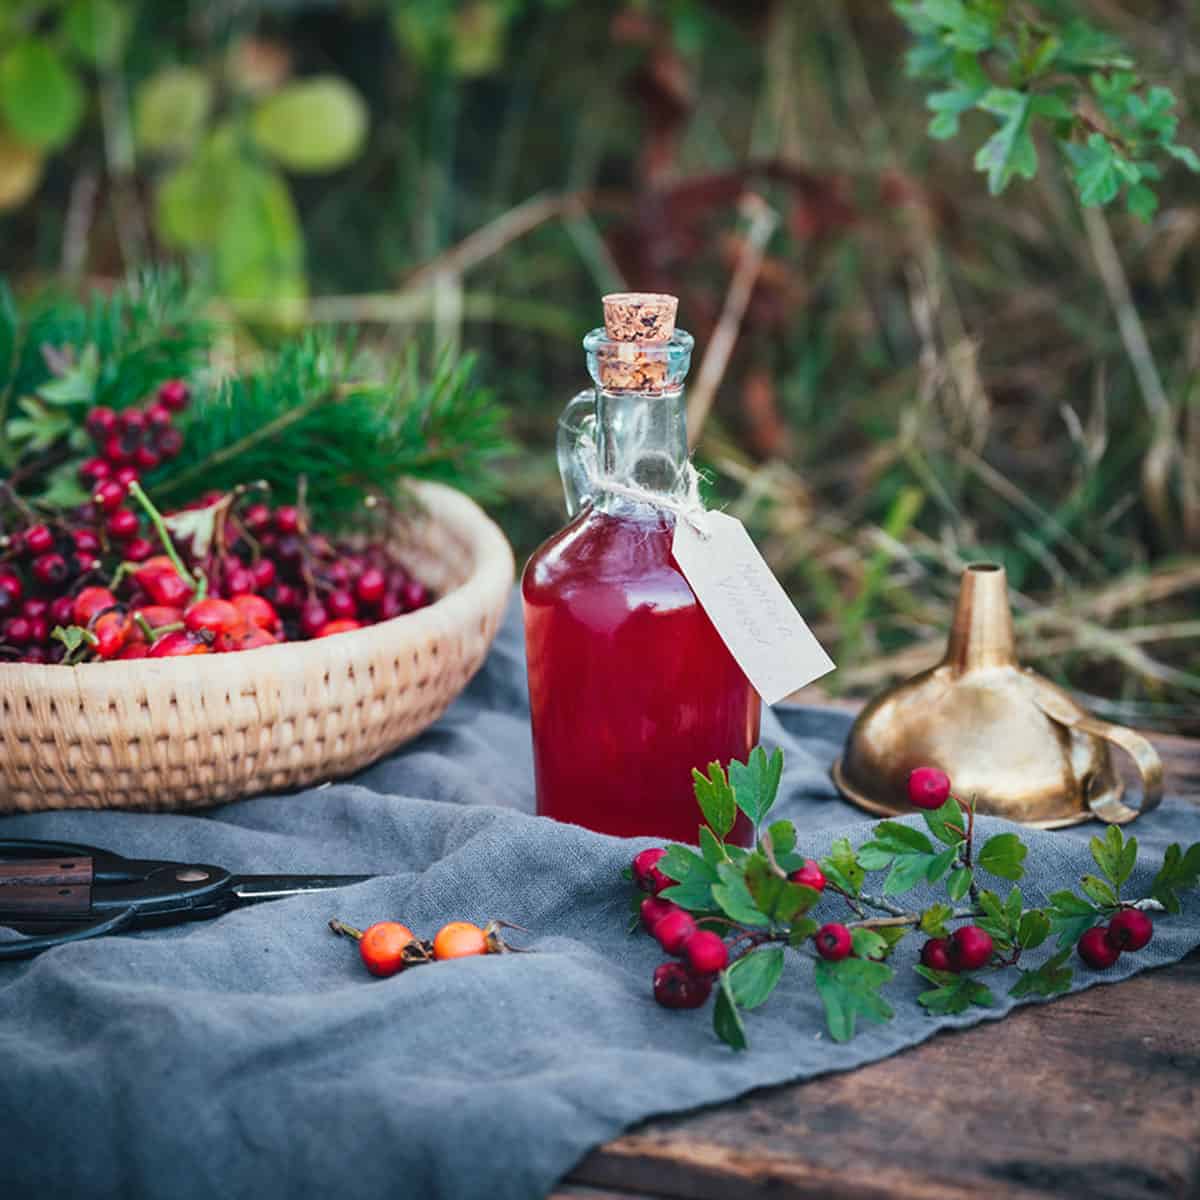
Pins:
x: 252, y: 1056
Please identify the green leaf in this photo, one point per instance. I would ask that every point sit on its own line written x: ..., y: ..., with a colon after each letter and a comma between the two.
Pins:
x: 801, y: 931
x: 1096, y: 174
x: 1127, y: 860
x: 874, y: 857
x: 777, y: 898
x: 783, y: 837
x: 72, y: 636
x: 1098, y: 891
x: 41, y: 98
x: 1071, y: 917
x: 908, y: 870
x: 1179, y: 871
x: 712, y: 849
x: 312, y: 126
x: 959, y: 883
x: 939, y: 864
x: 715, y: 797
x: 1033, y: 930
x: 171, y: 110
x: 941, y: 819
x: 753, y: 978
x: 1050, y: 979
x: 953, y: 993
x: 97, y: 29
x: 734, y: 899
x: 1012, y: 908
x: 695, y: 895
x: 76, y: 385
x: 934, y: 918
x: 1142, y: 202
x: 1003, y: 854
x: 869, y: 944
x: 891, y: 835
x: 948, y: 106
x: 1010, y: 150
x: 756, y: 782
x: 683, y: 865
x: 727, y: 1021
x: 850, y: 989
x: 1109, y: 855
x: 1185, y: 155
x: 260, y: 246
x: 842, y: 868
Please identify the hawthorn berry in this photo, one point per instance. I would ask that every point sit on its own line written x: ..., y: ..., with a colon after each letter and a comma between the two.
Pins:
x: 341, y: 604
x: 382, y: 946
x: 38, y: 539
x: 1130, y: 929
x: 678, y: 986
x: 371, y: 586
x: 833, y: 942
x: 928, y: 787
x: 313, y: 618
x: 12, y: 584
x: 646, y: 873
x: 1096, y: 950
x: 138, y: 549
x: 86, y: 541
x: 36, y: 606
x: 217, y: 616
x: 94, y: 471
x: 158, y: 415
x: 970, y: 948
x: 174, y: 394
x: 50, y: 569
x: 179, y: 644
x: 344, y: 625
x: 263, y: 573
x: 125, y: 476
x: 673, y: 931
x: 90, y: 602
x: 256, y: 518
x: 653, y: 910
x: 936, y: 954
x: 170, y: 443
x: 810, y: 875
x: 256, y: 611
x: 706, y: 953
x: 108, y: 495
x: 287, y: 519
x: 122, y: 524
x: 61, y: 610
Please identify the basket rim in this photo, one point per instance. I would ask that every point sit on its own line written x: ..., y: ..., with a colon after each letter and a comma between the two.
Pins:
x: 491, y: 577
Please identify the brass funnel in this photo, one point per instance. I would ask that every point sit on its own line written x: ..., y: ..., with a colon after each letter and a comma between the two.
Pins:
x: 1003, y: 733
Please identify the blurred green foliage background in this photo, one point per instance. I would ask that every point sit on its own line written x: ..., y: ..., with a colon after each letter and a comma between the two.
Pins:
x: 923, y: 373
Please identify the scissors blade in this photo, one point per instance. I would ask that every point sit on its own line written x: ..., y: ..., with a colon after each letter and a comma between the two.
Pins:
x: 249, y: 889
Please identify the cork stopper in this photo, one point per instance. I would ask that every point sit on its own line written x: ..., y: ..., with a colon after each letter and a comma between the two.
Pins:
x: 640, y: 316
x: 643, y: 324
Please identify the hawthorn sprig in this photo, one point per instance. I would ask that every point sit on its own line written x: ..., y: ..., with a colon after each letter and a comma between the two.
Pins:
x: 765, y: 900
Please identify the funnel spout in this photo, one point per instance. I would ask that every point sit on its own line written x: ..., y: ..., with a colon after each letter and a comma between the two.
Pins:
x: 982, y: 634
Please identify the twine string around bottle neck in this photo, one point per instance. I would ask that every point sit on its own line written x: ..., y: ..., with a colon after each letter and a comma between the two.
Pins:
x: 683, y: 500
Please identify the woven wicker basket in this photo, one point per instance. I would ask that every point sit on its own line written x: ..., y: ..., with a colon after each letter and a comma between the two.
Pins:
x: 189, y: 732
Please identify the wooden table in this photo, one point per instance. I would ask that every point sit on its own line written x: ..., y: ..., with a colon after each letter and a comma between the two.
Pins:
x: 1094, y: 1096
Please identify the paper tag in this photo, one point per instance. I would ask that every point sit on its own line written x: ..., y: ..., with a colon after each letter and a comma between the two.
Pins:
x: 749, y: 608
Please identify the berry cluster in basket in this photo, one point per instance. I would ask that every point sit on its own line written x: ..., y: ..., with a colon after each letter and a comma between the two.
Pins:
x: 116, y: 579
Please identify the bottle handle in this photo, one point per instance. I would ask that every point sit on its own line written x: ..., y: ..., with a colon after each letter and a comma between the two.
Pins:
x: 576, y: 448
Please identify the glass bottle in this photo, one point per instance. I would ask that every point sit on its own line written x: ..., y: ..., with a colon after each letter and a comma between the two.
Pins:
x: 630, y: 685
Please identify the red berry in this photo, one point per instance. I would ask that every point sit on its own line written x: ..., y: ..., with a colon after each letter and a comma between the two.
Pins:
x: 706, y: 953
x: 146, y: 458
x: 122, y: 524
x: 170, y: 443
x: 216, y: 616
x: 390, y: 606
x: 11, y: 584
x: 39, y: 630
x: 100, y: 422
x: 653, y: 910
x: 85, y: 563
x: 810, y: 875
x: 90, y: 602
x: 646, y: 873
x: 35, y: 606
x: 117, y: 449
x: 38, y: 539
x: 370, y: 586
x: 970, y: 948
x: 111, y: 630
x: 345, y: 625
x: 178, y: 644
x: 134, y: 650
x: 313, y: 618
x: 288, y: 598
x: 287, y: 519
x: 257, y: 611
x: 415, y: 595
x: 833, y: 942
x: 928, y: 787
x: 256, y: 518
x: 50, y: 569
x: 1130, y: 929
x: 677, y: 986
x: 108, y: 495
x: 138, y: 549
x: 61, y: 611
x: 86, y: 541
x: 94, y: 471
x: 238, y: 580
x: 158, y: 416
x: 263, y: 572
x: 132, y: 420
x: 158, y: 578
x: 18, y: 631
x: 1096, y: 950
x: 126, y: 475
x: 936, y: 954
x: 174, y: 394
x: 674, y: 930
x: 341, y: 604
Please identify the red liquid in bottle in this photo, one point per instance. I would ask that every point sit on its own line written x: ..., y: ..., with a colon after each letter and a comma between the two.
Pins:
x: 630, y: 685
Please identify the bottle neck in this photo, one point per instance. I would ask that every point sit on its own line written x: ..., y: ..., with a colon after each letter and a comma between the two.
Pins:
x: 641, y: 442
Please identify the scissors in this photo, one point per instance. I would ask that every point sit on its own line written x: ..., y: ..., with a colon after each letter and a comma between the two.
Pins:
x: 59, y: 892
